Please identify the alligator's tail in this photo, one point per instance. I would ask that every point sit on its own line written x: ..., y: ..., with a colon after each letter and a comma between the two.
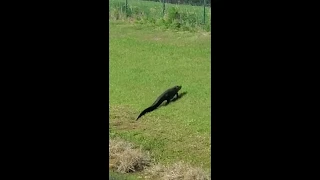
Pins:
x: 149, y: 109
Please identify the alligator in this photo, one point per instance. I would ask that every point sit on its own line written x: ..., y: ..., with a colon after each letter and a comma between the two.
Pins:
x: 168, y: 95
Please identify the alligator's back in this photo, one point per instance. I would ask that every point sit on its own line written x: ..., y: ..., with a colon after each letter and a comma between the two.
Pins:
x: 169, y: 93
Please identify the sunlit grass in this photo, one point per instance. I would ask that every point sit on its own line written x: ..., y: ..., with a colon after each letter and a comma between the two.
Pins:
x: 143, y: 63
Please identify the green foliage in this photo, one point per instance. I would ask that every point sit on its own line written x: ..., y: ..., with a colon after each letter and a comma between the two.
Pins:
x: 177, y: 17
x: 189, y: 2
x: 184, y: 20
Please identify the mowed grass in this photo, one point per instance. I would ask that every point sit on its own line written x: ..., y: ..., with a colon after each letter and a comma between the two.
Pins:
x: 144, y: 62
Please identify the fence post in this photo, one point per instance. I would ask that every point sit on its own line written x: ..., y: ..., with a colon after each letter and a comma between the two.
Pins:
x: 164, y: 6
x: 126, y: 8
x: 204, y: 11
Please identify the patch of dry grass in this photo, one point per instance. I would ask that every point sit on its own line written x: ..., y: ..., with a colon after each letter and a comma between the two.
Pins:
x: 177, y: 171
x: 124, y: 157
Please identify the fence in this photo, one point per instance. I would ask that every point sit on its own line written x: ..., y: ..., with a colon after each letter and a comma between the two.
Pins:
x: 183, y: 14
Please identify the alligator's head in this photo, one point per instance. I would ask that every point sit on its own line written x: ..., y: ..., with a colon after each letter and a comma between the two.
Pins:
x: 177, y: 87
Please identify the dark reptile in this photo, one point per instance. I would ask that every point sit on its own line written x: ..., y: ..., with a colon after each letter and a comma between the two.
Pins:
x: 167, y: 95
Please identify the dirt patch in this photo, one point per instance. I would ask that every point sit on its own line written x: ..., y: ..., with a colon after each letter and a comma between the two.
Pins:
x: 156, y: 38
x: 124, y: 118
x: 121, y: 112
x: 120, y: 125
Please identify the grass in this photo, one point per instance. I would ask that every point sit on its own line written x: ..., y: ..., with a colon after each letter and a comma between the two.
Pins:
x: 146, y: 61
x: 179, y: 170
x: 125, y: 157
x: 179, y: 17
x: 119, y: 176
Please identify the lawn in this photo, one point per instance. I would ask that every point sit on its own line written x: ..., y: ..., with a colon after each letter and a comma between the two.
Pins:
x: 144, y: 62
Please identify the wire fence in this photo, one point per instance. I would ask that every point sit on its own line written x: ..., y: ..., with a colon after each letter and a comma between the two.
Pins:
x: 185, y: 14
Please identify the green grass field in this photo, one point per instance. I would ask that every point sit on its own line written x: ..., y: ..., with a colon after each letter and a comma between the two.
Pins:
x: 118, y: 176
x: 144, y: 62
